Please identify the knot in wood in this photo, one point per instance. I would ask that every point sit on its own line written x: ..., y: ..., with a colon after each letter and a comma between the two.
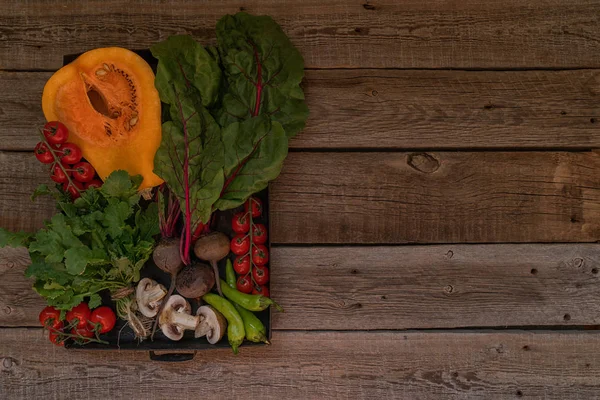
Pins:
x: 423, y: 162
x: 7, y: 363
x: 449, y: 289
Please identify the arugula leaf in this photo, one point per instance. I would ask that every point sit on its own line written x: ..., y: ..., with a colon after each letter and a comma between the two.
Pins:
x: 100, y: 242
x: 14, y: 239
x: 257, y: 149
x: 263, y: 71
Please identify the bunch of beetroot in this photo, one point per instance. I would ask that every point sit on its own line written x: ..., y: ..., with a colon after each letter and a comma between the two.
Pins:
x: 249, y: 246
x: 65, y: 159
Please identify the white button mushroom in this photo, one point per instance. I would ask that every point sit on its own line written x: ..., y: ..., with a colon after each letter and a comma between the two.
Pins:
x: 212, y: 324
x: 176, y: 317
x: 149, y: 296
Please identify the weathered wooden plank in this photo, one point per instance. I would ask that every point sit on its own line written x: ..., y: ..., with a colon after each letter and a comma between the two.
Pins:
x: 449, y: 197
x: 406, y: 287
x: 437, y: 197
x: 330, y: 34
x: 398, y: 109
x: 304, y: 365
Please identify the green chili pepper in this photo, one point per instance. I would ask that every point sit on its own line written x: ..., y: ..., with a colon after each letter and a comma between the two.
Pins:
x: 255, y: 330
x: 230, y: 274
x: 235, y: 324
x: 252, y: 302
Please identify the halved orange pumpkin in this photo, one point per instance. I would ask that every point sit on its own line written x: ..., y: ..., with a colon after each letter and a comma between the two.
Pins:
x: 107, y: 99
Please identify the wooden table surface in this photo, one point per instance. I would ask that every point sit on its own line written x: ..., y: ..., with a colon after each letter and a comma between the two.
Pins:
x: 435, y: 226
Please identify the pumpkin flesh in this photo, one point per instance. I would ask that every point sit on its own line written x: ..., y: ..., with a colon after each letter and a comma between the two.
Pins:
x: 107, y: 100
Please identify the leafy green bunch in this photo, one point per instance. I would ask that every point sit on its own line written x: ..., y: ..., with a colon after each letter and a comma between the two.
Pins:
x: 99, y: 242
x: 228, y: 114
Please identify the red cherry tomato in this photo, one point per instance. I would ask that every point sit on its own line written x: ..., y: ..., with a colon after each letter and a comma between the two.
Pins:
x: 240, y: 223
x: 260, y: 274
x: 71, y: 153
x: 259, y: 234
x: 262, y: 290
x: 260, y: 255
x: 244, y: 284
x: 50, y: 317
x: 42, y: 153
x: 256, y: 206
x: 73, y: 189
x: 103, y: 318
x: 95, y: 183
x: 81, y: 312
x: 241, y: 264
x: 240, y: 244
x: 55, y: 132
x: 84, y: 172
x: 56, y: 337
x: 84, y: 331
x: 58, y: 175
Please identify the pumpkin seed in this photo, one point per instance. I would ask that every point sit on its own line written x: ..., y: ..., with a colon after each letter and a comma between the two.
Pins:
x: 133, y: 121
x: 101, y: 72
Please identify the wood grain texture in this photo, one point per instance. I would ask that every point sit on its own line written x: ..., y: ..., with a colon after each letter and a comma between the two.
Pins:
x: 20, y: 174
x: 406, y: 287
x: 450, y: 286
x: 450, y: 197
x: 398, y: 109
x: 330, y: 34
x: 437, y: 197
x: 311, y: 365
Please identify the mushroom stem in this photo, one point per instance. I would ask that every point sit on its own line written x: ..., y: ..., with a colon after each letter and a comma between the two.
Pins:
x: 156, y: 294
x: 185, y: 321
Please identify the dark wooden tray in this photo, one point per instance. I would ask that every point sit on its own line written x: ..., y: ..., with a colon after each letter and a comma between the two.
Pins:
x: 122, y: 337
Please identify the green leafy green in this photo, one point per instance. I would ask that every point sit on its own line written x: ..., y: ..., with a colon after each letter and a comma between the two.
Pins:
x: 263, y: 146
x: 190, y: 156
x: 101, y: 241
x: 263, y: 72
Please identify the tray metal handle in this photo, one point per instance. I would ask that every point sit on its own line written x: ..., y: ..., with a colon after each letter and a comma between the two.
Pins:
x: 172, y: 357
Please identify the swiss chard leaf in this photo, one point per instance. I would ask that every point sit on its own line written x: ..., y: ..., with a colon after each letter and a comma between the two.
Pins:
x: 256, y: 150
x: 263, y: 72
x: 190, y: 156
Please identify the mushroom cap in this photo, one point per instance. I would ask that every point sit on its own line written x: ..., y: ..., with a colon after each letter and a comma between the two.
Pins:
x: 168, y: 320
x: 149, y: 295
x: 212, y: 247
x: 212, y: 324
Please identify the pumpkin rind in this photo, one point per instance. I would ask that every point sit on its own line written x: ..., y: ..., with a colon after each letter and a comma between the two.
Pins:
x: 122, y: 128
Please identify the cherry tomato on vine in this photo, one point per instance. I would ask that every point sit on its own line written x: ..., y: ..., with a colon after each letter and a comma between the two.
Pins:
x: 71, y: 153
x: 58, y: 175
x: 244, y: 284
x: 84, y: 172
x: 241, y: 264
x: 81, y: 312
x: 84, y: 331
x: 73, y: 189
x: 240, y: 223
x: 42, y: 153
x: 260, y: 255
x: 256, y: 206
x: 104, y: 318
x: 55, y: 132
x: 262, y: 290
x: 260, y: 274
x: 240, y: 244
x: 50, y: 317
x: 95, y: 183
x: 259, y: 234
x: 55, y: 336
